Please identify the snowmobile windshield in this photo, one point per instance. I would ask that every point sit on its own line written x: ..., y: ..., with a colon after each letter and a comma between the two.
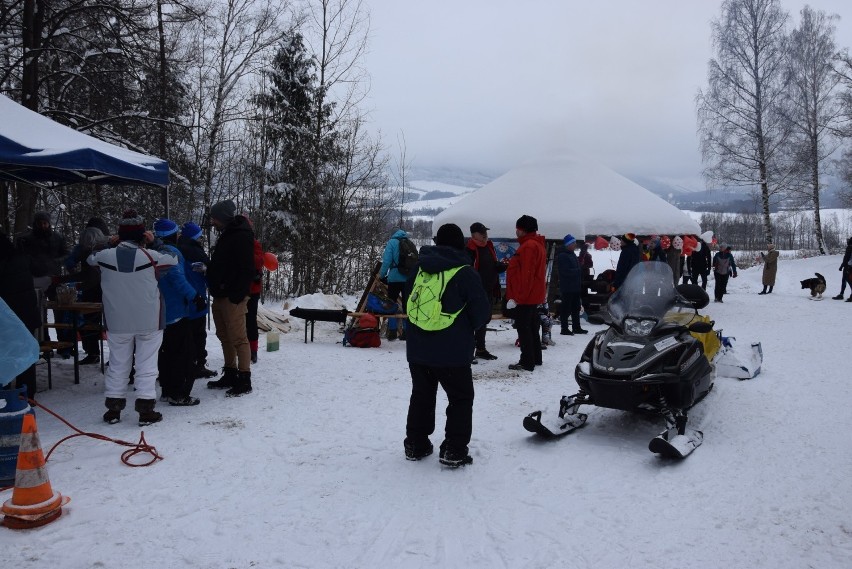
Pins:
x: 642, y: 301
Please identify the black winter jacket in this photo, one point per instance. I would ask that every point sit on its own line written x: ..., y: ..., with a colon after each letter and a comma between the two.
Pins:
x: 16, y: 284
x: 701, y: 260
x: 629, y: 258
x: 46, y: 252
x: 231, y: 267
x: 568, y: 266
x: 453, y: 346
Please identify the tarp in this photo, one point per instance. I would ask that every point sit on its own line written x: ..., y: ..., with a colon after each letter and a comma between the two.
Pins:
x: 567, y: 195
x: 34, y: 148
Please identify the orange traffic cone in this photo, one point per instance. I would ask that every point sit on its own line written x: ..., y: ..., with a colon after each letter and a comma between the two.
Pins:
x: 33, y: 503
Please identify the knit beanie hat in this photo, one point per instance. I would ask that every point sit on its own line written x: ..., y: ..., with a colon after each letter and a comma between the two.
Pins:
x: 131, y: 227
x: 223, y: 211
x: 99, y: 224
x: 190, y: 230
x: 568, y: 239
x: 527, y: 223
x: 41, y: 216
x: 450, y: 235
x: 165, y: 227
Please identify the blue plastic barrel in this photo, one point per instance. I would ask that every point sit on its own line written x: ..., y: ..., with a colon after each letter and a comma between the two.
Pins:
x: 13, y: 407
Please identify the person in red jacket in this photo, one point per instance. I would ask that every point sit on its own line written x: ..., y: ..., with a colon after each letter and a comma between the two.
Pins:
x: 526, y: 288
x: 254, y: 296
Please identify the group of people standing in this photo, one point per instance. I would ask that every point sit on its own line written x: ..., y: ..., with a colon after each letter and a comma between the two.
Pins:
x: 154, y: 285
x: 440, y: 353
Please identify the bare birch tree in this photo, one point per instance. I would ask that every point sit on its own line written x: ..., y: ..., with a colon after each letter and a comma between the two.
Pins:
x: 814, y: 106
x: 743, y: 129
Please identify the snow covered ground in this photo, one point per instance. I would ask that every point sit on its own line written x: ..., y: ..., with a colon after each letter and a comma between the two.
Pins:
x: 308, y: 471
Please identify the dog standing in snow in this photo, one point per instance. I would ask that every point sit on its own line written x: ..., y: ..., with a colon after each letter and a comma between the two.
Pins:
x: 816, y: 286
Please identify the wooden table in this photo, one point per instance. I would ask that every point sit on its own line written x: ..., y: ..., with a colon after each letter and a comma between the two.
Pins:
x: 78, y: 308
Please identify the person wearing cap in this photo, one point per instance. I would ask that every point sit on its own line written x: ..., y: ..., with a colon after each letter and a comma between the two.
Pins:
x: 629, y: 257
x: 229, y: 276
x: 570, y: 286
x: 441, y: 355
x: 195, y: 261
x: 483, y: 257
x: 770, y: 268
x: 134, y: 316
x: 526, y: 288
x: 175, y: 362
x: 724, y: 267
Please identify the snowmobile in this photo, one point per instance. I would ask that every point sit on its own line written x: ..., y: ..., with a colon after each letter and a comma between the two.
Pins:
x: 648, y: 360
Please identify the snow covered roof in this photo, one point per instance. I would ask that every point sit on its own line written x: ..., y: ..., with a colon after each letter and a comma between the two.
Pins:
x: 37, y: 149
x: 567, y: 195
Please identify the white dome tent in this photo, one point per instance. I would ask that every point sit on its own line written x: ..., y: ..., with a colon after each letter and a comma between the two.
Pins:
x: 567, y: 195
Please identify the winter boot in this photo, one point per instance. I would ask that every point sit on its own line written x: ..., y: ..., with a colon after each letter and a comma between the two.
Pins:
x: 147, y: 415
x: 417, y: 451
x: 114, y: 407
x: 485, y: 354
x: 838, y: 297
x: 546, y: 340
x: 242, y: 385
x: 229, y: 377
x: 454, y: 457
x: 770, y: 290
x: 391, y: 335
x: 202, y: 371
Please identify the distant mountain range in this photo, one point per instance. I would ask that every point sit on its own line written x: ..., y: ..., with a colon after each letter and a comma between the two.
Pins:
x: 432, y: 189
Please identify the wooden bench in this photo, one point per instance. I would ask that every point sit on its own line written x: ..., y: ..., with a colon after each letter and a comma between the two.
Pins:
x: 46, y: 350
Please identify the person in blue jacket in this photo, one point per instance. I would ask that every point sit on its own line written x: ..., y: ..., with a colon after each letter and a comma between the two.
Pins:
x: 195, y: 261
x: 570, y: 282
x: 390, y: 274
x: 176, y: 363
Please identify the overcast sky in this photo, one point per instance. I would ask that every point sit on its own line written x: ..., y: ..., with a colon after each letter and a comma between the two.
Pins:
x: 490, y: 83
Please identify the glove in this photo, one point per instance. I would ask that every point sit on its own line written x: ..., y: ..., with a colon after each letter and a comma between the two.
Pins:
x: 841, y: 268
x: 199, y: 267
x: 510, y: 304
x: 236, y: 299
x: 384, y: 280
x: 199, y: 302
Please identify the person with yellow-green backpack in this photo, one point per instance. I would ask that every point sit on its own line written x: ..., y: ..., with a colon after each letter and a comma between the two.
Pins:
x: 446, y: 305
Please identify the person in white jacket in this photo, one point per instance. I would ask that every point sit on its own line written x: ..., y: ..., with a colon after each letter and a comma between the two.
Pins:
x: 134, y: 314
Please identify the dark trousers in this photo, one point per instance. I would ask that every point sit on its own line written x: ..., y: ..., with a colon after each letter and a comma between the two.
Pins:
x: 703, y: 280
x: 847, y: 277
x: 198, y: 331
x: 395, y: 292
x: 479, y: 335
x: 457, y: 383
x: 174, y: 364
x: 528, y: 323
x: 251, y: 320
x: 721, y: 286
x: 570, y: 307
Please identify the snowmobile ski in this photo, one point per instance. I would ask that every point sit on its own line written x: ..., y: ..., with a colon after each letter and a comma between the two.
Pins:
x: 671, y: 444
x: 554, y: 426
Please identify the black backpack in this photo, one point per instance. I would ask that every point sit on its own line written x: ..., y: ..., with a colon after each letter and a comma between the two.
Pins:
x: 408, y: 256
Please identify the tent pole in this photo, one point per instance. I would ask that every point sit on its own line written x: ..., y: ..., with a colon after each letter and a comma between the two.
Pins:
x: 165, y: 198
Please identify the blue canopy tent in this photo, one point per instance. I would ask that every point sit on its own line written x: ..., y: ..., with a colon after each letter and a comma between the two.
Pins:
x: 35, y: 149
